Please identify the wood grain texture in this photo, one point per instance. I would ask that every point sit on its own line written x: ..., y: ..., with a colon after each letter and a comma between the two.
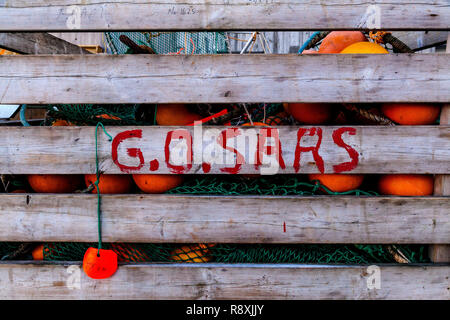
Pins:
x: 71, y: 150
x: 85, y: 38
x: 224, y: 78
x: 38, y: 43
x: 224, y: 281
x: 90, y: 15
x: 225, y: 219
x: 439, y: 253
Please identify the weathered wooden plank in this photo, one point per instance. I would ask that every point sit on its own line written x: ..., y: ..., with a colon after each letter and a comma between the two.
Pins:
x: 225, y: 219
x: 370, y: 149
x: 442, y: 186
x: 225, y: 281
x: 38, y: 43
x: 224, y: 78
x: 66, y: 15
x: 420, y: 40
x: 439, y: 253
x: 83, y: 38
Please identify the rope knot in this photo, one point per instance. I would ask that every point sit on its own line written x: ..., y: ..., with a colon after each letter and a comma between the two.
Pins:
x: 378, y: 36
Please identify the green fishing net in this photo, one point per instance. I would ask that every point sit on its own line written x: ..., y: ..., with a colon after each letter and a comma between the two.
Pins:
x: 89, y: 114
x: 313, y: 253
x: 170, y: 42
x: 276, y: 185
x: 240, y: 253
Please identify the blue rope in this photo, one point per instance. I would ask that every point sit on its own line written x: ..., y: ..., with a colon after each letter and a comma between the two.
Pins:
x: 24, y: 121
x: 308, y: 42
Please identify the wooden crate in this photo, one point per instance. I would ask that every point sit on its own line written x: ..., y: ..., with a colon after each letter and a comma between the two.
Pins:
x: 76, y: 79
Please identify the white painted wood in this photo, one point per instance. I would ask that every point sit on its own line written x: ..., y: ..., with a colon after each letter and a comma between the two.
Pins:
x: 224, y: 78
x: 71, y: 150
x: 224, y: 219
x: 90, y: 15
x: 225, y: 281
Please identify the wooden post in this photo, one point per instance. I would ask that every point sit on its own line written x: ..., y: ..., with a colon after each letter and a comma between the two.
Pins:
x: 441, y: 253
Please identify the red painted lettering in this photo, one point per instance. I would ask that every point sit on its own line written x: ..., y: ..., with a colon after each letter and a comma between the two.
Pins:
x: 315, y: 149
x: 261, y: 148
x: 132, y: 152
x: 222, y: 140
x: 354, y: 155
x: 179, y: 134
x: 154, y: 165
x: 206, y: 167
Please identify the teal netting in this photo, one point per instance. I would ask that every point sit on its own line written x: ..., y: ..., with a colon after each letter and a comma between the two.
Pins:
x: 171, y: 42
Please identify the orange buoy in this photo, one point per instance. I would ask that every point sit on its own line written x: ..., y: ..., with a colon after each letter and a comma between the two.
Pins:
x: 247, y: 124
x: 59, y: 123
x: 339, y: 182
x: 364, y: 48
x: 38, y: 252
x: 175, y: 115
x: 411, y: 113
x: 310, y: 113
x: 157, y: 183
x: 406, y: 184
x: 54, y: 183
x: 19, y: 191
x: 336, y: 41
x: 99, y: 264
x: 110, y: 183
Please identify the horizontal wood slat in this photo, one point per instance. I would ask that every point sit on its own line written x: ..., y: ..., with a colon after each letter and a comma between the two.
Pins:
x: 69, y: 15
x: 225, y: 219
x: 153, y: 149
x: 224, y: 78
x: 38, y: 43
x: 225, y: 281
